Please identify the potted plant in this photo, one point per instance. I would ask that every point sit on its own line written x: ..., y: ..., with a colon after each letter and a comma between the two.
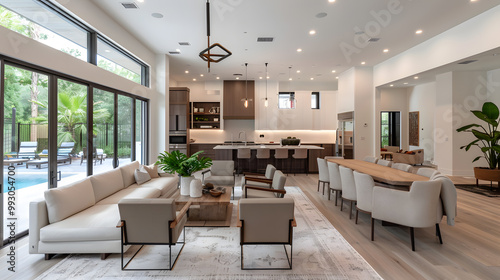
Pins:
x: 177, y: 162
x: 487, y: 137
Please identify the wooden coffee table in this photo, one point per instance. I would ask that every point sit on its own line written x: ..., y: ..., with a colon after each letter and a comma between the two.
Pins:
x: 207, y: 210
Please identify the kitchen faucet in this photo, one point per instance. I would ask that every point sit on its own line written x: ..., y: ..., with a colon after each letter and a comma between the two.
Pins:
x: 244, y: 139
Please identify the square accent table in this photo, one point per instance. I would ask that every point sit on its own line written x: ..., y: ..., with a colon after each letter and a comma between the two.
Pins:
x: 207, y: 210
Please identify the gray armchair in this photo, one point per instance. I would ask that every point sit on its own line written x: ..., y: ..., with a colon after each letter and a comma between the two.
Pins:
x: 266, y: 221
x: 221, y: 173
x: 259, y: 180
x: 277, y: 188
x: 151, y: 221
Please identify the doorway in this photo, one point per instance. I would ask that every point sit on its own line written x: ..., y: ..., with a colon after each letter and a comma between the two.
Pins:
x: 390, y: 129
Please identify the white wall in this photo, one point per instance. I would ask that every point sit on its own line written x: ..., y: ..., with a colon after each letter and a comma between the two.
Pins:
x: 422, y: 98
x: 345, y: 95
x: 472, y: 37
x: 364, y: 122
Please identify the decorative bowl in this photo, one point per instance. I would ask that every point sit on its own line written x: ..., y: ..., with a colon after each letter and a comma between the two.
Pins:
x: 215, y: 193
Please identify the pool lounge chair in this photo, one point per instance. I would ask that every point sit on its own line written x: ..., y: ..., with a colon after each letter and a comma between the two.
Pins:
x: 38, y: 162
x: 27, y: 150
x: 65, y: 151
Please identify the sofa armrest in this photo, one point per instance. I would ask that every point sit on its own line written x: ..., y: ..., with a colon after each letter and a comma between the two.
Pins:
x: 38, y: 219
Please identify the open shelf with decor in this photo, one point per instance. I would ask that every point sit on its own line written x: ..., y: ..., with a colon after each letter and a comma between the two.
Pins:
x: 205, y: 115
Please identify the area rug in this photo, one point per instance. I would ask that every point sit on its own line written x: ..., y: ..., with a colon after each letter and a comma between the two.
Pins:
x: 319, y: 252
x: 485, y: 190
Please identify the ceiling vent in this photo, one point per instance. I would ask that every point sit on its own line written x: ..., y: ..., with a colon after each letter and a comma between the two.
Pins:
x: 265, y: 39
x: 467, y: 61
x: 174, y: 52
x: 373, y: 39
x: 129, y: 5
x: 184, y: 44
x: 237, y: 75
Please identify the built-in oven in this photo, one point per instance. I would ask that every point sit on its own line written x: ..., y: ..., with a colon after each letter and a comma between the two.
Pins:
x: 178, y: 147
x: 177, y: 138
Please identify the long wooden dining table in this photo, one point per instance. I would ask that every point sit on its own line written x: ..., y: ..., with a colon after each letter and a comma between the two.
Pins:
x: 381, y: 173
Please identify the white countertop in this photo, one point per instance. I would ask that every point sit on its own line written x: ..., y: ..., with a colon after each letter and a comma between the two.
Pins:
x: 272, y: 147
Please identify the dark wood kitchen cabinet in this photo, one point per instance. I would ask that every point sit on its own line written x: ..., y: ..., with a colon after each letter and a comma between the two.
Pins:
x: 235, y: 93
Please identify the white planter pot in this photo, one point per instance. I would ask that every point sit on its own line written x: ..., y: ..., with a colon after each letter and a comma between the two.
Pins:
x: 195, y: 188
x: 185, y: 184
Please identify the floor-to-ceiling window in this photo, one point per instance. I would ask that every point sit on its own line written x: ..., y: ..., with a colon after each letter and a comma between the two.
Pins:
x: 390, y: 129
x: 125, y: 141
x: 25, y: 137
x: 104, y: 120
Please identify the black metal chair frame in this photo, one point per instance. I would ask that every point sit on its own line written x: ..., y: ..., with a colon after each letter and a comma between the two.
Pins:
x: 125, y: 242
x: 289, y: 242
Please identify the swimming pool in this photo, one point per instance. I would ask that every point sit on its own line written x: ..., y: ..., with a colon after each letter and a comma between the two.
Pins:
x: 24, y: 180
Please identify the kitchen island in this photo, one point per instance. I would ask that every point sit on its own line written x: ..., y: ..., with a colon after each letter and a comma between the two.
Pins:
x: 229, y: 152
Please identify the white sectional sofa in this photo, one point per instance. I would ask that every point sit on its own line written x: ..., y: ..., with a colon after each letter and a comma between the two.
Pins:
x: 82, y: 217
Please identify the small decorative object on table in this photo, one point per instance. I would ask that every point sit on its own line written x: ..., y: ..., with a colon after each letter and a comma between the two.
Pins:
x: 195, y: 188
x: 217, y: 191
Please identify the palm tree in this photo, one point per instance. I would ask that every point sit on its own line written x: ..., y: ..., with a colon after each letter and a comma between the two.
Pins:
x: 72, y: 116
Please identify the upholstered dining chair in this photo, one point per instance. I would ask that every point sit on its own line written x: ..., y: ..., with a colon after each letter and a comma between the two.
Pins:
x: 384, y: 162
x: 403, y: 167
x: 262, y: 154
x: 266, y: 221
x: 277, y: 188
x: 364, y: 192
x: 221, y: 173
x: 416, y: 208
x: 324, y: 177
x: 335, y: 181
x: 141, y: 225
x: 427, y: 172
x: 348, y: 187
x: 371, y: 159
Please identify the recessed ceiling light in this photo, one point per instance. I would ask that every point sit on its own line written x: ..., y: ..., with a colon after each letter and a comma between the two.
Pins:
x: 331, y: 1
x: 473, y: 0
x: 187, y: 72
x: 194, y: 80
x: 260, y: 78
x: 386, y: 50
x: 416, y: 77
x: 312, y: 32
x: 391, y: 85
x: 201, y: 75
x: 267, y: 77
x: 289, y: 79
x: 419, y: 31
x: 178, y: 50
x: 333, y: 71
x: 140, y: 1
x: 363, y: 63
x: 156, y: 15
x: 237, y: 78
x: 298, y: 71
x: 337, y: 77
x: 299, y: 50
x: 218, y: 78
x: 312, y: 79
x: 405, y: 83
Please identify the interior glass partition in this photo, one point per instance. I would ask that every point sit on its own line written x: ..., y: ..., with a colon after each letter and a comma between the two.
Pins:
x: 25, y: 142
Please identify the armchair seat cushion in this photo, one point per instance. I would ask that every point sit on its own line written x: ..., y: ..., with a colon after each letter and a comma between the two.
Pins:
x: 259, y: 194
x: 96, y: 223
x: 220, y: 180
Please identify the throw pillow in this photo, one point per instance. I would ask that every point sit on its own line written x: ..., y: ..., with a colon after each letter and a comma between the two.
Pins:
x: 152, y: 170
x: 141, y: 177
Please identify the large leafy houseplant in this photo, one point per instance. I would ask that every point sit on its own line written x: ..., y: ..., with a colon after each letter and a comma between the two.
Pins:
x: 177, y: 162
x: 486, y: 136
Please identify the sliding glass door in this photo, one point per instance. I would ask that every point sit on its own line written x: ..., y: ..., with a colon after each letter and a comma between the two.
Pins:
x: 103, y: 122
x: 25, y: 145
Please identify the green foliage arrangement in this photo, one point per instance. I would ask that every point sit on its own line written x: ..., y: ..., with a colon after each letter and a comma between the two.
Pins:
x: 182, y: 164
x: 487, y: 136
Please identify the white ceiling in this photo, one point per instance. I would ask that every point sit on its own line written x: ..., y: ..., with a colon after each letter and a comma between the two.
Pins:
x: 236, y: 24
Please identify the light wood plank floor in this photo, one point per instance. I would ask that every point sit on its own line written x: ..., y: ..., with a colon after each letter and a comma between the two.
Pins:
x: 471, y: 248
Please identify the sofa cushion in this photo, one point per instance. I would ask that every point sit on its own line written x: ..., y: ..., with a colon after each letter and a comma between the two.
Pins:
x: 131, y: 193
x: 152, y: 170
x: 128, y: 172
x: 97, y: 223
x: 107, y: 183
x: 141, y: 176
x: 68, y: 200
x: 167, y: 185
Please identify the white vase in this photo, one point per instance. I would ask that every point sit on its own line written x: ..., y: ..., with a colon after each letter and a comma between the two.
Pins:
x: 195, y: 188
x: 185, y: 184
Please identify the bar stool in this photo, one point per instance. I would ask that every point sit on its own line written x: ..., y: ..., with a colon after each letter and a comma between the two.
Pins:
x: 281, y: 154
x: 300, y: 155
x: 243, y: 153
x: 262, y: 153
